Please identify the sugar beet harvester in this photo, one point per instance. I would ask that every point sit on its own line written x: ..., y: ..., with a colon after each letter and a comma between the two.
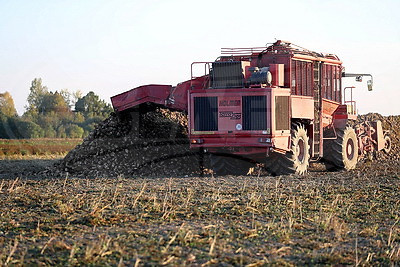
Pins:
x: 281, y: 105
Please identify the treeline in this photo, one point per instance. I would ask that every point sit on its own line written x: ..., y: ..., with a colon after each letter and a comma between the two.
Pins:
x: 59, y: 114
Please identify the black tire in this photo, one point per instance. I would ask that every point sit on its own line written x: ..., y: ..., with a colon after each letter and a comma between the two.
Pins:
x: 271, y: 163
x: 297, y: 160
x: 225, y: 165
x: 388, y: 144
x: 342, y: 152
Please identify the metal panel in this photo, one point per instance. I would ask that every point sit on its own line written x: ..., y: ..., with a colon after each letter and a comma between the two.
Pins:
x: 378, y: 136
x: 302, y: 78
x: 293, y: 78
x: 302, y: 107
x: 282, y: 118
x: 329, y: 82
x: 227, y: 74
x: 278, y: 74
x: 148, y: 93
x: 254, y: 111
x: 310, y: 79
x: 205, y: 114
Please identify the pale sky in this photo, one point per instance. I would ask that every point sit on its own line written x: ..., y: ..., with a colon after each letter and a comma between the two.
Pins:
x: 111, y: 46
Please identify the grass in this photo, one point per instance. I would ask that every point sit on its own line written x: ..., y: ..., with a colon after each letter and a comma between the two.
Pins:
x: 339, y: 218
x: 14, y: 148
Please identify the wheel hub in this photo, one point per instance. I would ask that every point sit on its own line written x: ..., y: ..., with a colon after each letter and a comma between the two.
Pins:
x: 387, y: 144
x: 300, y: 150
x: 350, y: 149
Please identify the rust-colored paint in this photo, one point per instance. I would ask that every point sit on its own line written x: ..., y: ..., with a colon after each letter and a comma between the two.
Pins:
x: 302, y: 107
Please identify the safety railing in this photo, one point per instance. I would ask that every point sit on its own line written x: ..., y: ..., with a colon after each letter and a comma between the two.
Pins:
x: 242, y: 51
x: 351, y: 104
x: 207, y: 68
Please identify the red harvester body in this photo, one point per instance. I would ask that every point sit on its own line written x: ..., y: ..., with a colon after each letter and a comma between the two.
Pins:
x: 282, y: 105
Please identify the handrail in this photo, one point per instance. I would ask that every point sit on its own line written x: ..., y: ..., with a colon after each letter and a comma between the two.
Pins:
x: 350, y: 102
x: 240, y: 51
x: 206, y: 67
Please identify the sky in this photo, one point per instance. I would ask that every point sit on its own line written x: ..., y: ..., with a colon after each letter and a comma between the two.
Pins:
x: 112, y: 46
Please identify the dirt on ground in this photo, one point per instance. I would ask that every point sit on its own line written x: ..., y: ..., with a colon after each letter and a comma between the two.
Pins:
x: 155, y: 213
x: 322, y: 218
x: 13, y: 168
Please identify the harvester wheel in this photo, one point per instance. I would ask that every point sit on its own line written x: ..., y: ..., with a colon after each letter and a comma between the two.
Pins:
x: 343, y: 151
x: 271, y: 163
x: 224, y: 165
x: 388, y: 144
x: 295, y: 161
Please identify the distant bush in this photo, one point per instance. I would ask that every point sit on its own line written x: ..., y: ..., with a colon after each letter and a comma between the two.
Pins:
x: 29, y: 129
x: 15, y: 128
x: 49, y: 132
x: 61, y: 133
x: 74, y: 131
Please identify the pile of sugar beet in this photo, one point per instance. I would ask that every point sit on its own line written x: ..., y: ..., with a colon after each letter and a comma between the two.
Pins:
x: 151, y: 143
x: 155, y: 143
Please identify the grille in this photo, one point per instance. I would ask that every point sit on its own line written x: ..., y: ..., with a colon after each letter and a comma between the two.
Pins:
x: 227, y: 75
x: 282, y: 113
x: 254, y: 111
x: 205, y: 114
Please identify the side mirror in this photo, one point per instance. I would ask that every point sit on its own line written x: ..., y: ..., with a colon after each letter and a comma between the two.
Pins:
x: 369, y: 84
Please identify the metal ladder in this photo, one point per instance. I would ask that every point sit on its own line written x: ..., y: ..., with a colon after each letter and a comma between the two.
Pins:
x: 316, y: 148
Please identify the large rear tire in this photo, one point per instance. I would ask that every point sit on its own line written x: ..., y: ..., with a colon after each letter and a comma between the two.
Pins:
x: 297, y: 160
x: 225, y: 165
x: 343, y: 151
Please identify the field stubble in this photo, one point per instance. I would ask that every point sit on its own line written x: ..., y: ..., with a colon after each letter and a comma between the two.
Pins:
x: 321, y: 218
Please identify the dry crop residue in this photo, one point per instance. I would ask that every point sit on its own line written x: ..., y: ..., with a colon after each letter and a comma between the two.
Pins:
x: 342, y: 218
x: 322, y: 218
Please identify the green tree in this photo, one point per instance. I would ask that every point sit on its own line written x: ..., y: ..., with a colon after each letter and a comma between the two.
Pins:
x: 75, y: 96
x: 61, y: 133
x: 78, y: 118
x: 92, y: 106
x: 53, y: 102
x: 68, y: 97
x: 7, y: 128
x: 7, y: 108
x: 21, y: 128
x: 71, y: 97
x: 52, y: 113
x: 74, y: 131
x: 49, y: 131
x: 29, y: 129
x: 37, y: 92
